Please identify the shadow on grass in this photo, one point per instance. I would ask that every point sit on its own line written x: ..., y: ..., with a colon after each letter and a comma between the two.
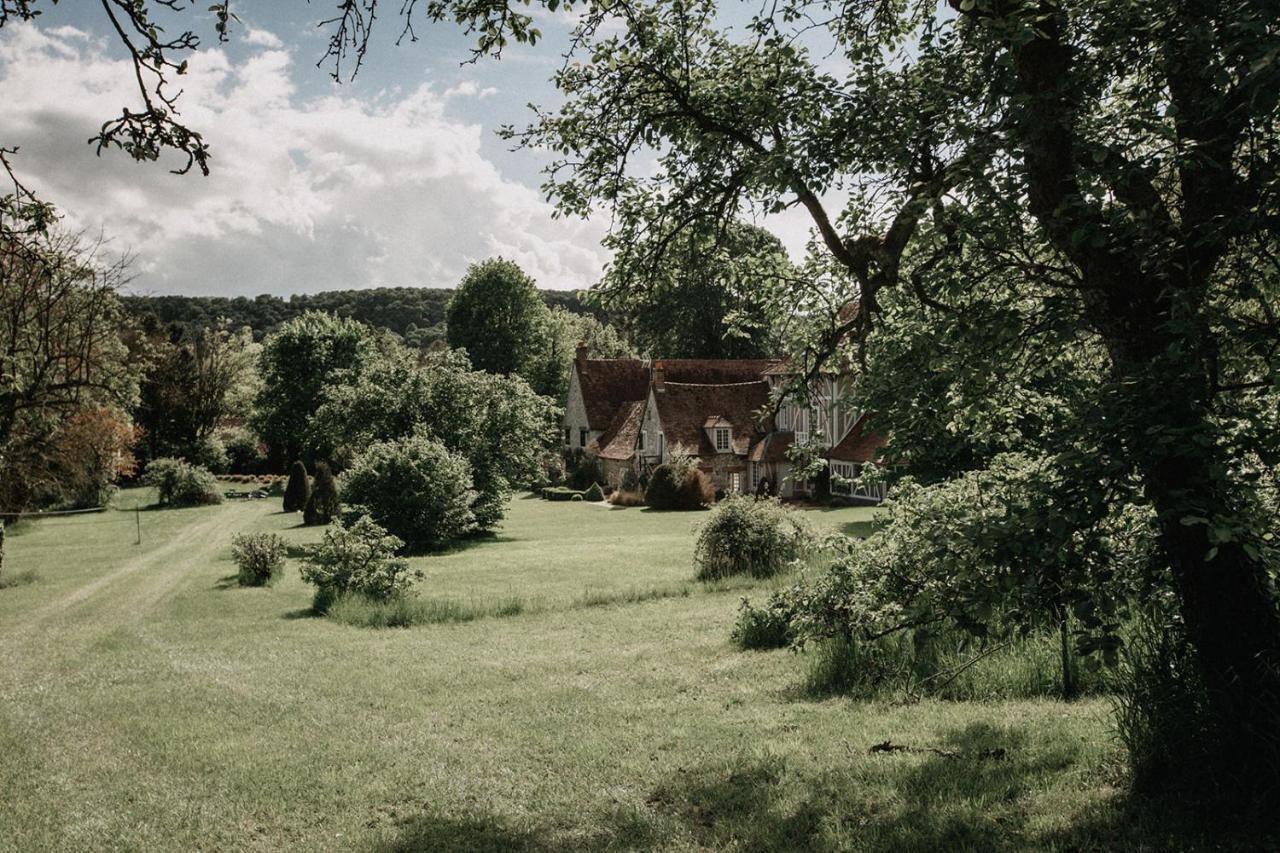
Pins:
x: 231, y: 581
x: 23, y: 578
x: 973, y: 788
x: 979, y: 787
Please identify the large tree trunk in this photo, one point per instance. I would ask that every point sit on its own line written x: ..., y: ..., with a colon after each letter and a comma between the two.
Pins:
x: 1146, y: 297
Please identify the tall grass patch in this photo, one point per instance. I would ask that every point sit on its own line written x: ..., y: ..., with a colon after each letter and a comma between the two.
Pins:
x: 403, y: 611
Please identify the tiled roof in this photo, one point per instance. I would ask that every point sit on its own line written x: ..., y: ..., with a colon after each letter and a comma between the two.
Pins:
x: 684, y: 408
x: 714, y: 371
x: 608, y: 383
x: 773, y: 447
x: 859, y: 445
x: 619, y: 440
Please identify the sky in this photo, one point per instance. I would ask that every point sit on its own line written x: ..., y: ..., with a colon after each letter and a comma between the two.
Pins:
x: 395, y: 179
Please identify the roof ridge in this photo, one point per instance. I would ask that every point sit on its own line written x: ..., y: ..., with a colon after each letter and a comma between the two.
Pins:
x: 714, y: 384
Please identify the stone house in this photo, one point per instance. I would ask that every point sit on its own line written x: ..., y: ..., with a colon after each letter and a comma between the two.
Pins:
x: 634, y: 414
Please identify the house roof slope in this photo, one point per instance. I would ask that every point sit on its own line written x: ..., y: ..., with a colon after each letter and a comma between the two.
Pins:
x: 608, y: 383
x: 684, y: 409
x: 619, y: 440
x: 861, y: 444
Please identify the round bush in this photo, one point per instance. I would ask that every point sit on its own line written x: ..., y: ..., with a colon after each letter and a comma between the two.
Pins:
x: 259, y: 556
x: 180, y: 484
x: 416, y: 488
x: 747, y: 536
x: 678, y: 487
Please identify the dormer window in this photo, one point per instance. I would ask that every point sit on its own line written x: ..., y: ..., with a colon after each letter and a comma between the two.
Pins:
x: 722, y: 439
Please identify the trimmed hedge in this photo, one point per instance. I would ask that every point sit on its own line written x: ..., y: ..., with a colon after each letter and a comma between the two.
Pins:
x: 560, y: 493
x: 595, y: 493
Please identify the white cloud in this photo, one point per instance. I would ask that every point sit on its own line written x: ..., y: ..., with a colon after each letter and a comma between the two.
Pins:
x: 306, y: 193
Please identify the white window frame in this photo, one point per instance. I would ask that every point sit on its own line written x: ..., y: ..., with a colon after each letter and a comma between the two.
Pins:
x: 849, y: 472
x: 724, y: 441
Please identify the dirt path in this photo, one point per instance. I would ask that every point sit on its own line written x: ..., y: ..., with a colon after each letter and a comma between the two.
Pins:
x: 127, y: 593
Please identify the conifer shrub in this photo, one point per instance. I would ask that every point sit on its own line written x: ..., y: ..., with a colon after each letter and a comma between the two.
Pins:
x: 323, y: 505
x: 630, y: 481
x: 595, y: 493
x: 414, y: 487
x: 298, y: 489
x: 259, y: 557
x: 750, y: 536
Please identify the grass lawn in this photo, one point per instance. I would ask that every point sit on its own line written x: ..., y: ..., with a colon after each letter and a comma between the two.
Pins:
x: 147, y: 703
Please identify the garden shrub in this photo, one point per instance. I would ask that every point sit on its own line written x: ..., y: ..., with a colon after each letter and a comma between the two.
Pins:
x: 259, y: 556
x: 244, y: 451
x: 630, y: 481
x: 749, y: 536
x: 323, y: 504
x: 622, y: 497
x: 560, y: 493
x: 595, y: 493
x: 298, y: 489
x: 210, y: 453
x: 581, y: 471
x: 765, y: 627
x: 576, y: 497
x: 359, y: 558
x: 415, y: 487
x: 181, y: 484
x: 679, y: 485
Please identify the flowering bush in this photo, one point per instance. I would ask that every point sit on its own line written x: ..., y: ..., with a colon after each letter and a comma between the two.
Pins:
x: 358, y: 558
x: 260, y: 557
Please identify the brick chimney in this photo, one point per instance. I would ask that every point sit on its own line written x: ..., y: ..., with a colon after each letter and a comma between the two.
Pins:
x: 580, y: 357
x: 659, y: 380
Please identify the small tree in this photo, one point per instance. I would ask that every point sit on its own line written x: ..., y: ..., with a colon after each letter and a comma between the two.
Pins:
x: 323, y: 504
x: 416, y: 488
x: 298, y: 489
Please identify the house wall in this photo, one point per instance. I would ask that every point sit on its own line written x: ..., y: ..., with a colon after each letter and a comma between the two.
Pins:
x: 655, y: 446
x: 575, y: 415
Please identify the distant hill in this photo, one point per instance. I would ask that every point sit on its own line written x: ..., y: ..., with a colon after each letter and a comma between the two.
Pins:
x: 408, y: 311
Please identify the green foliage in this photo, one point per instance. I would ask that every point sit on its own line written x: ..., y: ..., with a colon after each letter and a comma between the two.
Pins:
x: 703, y: 299
x: 298, y: 490
x: 244, y: 451
x: 298, y: 363
x: 414, y: 313
x: 958, y: 552
x: 193, y: 383
x: 403, y: 611
x: 414, y: 487
x: 323, y: 504
x: 358, y: 558
x: 496, y: 315
x: 676, y: 486
x: 259, y: 556
x: 595, y: 493
x: 495, y: 422
x: 755, y: 537
x: 178, y: 483
x: 630, y: 481
x: 1162, y: 714
x: 766, y: 627
x: 560, y: 493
